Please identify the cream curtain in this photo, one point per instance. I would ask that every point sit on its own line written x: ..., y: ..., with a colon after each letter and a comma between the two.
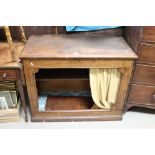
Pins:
x: 104, y: 84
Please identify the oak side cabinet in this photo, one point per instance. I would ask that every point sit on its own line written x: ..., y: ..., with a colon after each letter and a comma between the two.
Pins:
x: 62, y: 62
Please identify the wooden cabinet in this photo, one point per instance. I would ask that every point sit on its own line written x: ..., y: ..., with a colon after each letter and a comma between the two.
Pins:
x: 62, y: 62
x: 15, y: 75
x: 142, y: 89
x: 12, y: 71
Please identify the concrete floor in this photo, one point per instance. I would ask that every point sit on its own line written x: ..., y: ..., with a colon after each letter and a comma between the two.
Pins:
x: 133, y: 119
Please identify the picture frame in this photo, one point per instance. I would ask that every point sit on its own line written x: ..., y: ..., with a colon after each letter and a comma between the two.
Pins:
x: 6, y: 101
x: 3, y: 103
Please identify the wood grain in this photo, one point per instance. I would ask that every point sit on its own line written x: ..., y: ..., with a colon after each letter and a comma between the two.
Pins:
x: 141, y: 89
x: 10, y: 42
x: 144, y: 74
x: 30, y: 30
x: 69, y: 103
x: 133, y: 35
x: 149, y: 33
x: 5, y: 55
x: 146, y: 53
x: 7, y: 74
x: 63, y: 84
x: 77, y: 46
x: 141, y: 94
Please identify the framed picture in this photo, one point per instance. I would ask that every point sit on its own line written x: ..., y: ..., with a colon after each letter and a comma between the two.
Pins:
x: 3, y: 103
x: 6, y: 101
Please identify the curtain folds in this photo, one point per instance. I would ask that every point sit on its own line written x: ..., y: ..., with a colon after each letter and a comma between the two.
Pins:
x: 104, y: 84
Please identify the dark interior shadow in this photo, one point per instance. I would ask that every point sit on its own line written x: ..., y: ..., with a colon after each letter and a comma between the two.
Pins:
x: 142, y: 109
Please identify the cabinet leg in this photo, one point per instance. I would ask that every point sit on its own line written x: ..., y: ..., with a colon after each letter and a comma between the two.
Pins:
x: 22, y: 96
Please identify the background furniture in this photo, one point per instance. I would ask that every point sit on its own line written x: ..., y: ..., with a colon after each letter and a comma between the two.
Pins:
x: 43, y: 53
x: 9, y: 38
x: 10, y: 67
x: 142, y: 85
x: 30, y: 30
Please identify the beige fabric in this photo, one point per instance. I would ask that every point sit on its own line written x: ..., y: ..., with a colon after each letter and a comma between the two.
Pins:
x: 104, y: 85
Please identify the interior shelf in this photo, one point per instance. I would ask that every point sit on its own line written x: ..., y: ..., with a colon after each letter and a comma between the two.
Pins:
x: 63, y: 79
x: 68, y: 103
x: 64, y: 89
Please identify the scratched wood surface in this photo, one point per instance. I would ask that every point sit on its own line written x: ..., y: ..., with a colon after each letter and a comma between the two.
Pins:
x: 77, y: 46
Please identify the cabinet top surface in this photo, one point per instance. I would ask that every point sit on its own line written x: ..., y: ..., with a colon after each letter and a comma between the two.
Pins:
x: 77, y: 46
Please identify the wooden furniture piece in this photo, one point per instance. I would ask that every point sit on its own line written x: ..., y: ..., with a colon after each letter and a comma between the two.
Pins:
x: 11, y: 68
x: 9, y: 39
x: 47, y: 54
x: 142, y: 87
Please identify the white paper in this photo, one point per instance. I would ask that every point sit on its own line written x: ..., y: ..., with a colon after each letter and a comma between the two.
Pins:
x: 3, y: 103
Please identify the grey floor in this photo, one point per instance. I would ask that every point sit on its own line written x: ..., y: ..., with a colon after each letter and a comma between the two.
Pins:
x: 135, y: 118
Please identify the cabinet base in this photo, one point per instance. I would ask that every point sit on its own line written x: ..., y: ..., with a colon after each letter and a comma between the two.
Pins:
x: 76, y: 119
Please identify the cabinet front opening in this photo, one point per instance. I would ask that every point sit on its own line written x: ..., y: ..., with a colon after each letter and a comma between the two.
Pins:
x: 67, y: 89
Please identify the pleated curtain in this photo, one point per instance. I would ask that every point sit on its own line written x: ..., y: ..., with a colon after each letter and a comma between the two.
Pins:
x: 104, y: 84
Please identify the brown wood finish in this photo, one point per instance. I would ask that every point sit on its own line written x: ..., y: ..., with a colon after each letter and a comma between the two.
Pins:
x: 133, y: 35
x: 41, y: 54
x: 142, y: 95
x: 63, y: 80
x: 69, y: 103
x: 139, y: 34
x: 144, y: 74
x: 146, y: 53
x: 30, y: 30
x: 153, y: 98
x: 13, y: 70
x: 9, y: 40
x: 149, y: 33
x: 6, y: 57
x: 77, y: 46
x: 7, y: 74
x: 142, y: 89
x: 63, y: 84
x: 63, y: 116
